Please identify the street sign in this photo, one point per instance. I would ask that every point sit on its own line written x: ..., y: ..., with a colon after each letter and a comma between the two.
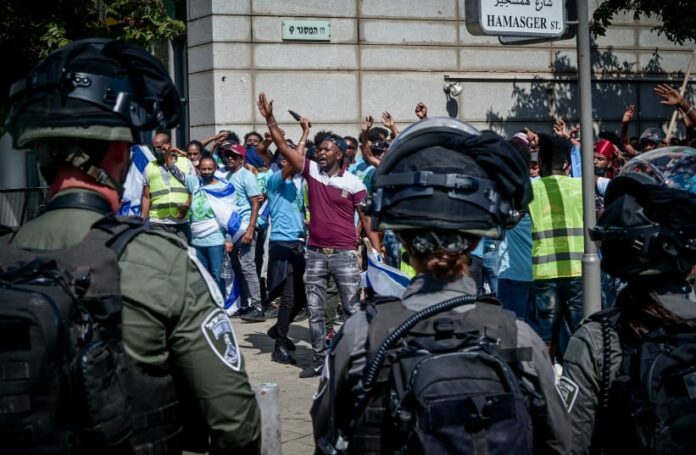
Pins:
x: 521, y: 18
x: 306, y: 31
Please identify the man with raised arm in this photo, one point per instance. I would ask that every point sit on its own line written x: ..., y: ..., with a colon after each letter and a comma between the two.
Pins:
x: 334, y: 197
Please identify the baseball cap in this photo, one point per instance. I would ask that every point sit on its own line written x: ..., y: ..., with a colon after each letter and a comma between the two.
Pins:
x: 236, y: 149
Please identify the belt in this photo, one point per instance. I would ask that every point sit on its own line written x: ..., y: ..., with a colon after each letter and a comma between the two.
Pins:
x: 326, y: 250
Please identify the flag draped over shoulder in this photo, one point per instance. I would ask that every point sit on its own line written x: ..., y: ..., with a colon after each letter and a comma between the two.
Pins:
x: 383, y: 279
x: 223, y: 202
x: 133, y: 187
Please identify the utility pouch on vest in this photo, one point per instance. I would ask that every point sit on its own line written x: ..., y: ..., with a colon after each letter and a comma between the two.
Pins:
x: 99, y: 376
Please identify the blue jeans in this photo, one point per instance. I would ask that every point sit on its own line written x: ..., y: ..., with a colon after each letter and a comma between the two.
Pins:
x: 557, y: 310
x: 392, y: 248
x: 491, y: 277
x: 343, y: 266
x: 211, y: 257
x: 516, y: 296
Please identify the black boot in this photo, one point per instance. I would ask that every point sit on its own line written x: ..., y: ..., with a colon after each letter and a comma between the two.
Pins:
x: 273, y: 333
x: 281, y: 354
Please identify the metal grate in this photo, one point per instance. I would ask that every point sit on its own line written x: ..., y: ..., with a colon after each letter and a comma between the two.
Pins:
x: 17, y: 206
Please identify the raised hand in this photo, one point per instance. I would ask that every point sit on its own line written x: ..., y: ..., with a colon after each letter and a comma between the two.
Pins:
x: 387, y: 120
x: 367, y: 124
x: 305, y: 123
x: 265, y: 106
x: 670, y: 96
x: 532, y: 136
x: 560, y: 129
x: 421, y: 110
x: 628, y: 113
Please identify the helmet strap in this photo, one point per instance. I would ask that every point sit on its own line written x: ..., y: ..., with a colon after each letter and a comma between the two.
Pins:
x: 83, y: 161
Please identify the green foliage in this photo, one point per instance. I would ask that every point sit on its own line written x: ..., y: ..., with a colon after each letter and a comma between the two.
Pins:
x: 32, y: 29
x: 677, y: 18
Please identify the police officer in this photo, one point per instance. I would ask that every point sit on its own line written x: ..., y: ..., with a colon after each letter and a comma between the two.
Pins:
x: 80, y: 109
x: 442, y: 186
x: 647, y: 237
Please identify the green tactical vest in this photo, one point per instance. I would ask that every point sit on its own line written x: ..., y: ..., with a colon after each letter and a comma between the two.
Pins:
x: 557, y: 227
x: 167, y: 194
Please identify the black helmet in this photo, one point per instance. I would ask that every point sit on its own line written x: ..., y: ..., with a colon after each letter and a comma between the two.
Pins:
x: 652, y: 135
x: 648, y: 227
x: 442, y: 174
x: 97, y: 89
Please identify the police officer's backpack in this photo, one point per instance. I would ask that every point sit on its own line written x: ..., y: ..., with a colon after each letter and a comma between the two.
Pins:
x: 650, y: 407
x: 65, y: 379
x: 443, y: 383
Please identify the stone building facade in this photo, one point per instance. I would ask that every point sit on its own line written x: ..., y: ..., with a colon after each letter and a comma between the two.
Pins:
x: 389, y: 55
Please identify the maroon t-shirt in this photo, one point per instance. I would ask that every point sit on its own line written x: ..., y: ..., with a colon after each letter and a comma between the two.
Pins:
x: 332, y: 205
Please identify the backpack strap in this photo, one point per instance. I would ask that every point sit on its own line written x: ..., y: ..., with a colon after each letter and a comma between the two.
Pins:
x: 119, y: 231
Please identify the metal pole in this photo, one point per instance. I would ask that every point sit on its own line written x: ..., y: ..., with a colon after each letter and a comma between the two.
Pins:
x: 681, y: 92
x: 591, y: 285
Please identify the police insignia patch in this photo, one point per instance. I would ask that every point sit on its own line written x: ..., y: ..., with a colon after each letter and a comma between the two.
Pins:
x: 568, y: 390
x: 217, y: 329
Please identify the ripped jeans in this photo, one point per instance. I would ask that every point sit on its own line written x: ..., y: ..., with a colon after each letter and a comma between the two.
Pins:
x: 343, y: 266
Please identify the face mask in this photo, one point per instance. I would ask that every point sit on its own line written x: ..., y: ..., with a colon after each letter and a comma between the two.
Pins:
x: 600, y: 171
x: 207, y: 178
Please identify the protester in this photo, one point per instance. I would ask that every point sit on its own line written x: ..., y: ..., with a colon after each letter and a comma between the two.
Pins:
x: 243, y: 251
x: 208, y: 237
x: 557, y: 245
x: 166, y: 200
x: 193, y: 153
x: 334, y: 198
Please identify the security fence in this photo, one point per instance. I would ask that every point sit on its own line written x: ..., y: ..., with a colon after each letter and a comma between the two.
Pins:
x: 17, y: 206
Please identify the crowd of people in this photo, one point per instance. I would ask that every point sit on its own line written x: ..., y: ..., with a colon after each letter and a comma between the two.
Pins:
x: 484, y: 350
x: 281, y: 203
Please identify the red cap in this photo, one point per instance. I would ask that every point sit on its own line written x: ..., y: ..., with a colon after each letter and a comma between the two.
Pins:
x: 605, y: 148
x: 236, y: 149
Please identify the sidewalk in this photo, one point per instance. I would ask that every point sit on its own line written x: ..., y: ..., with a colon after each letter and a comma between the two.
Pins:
x: 295, y: 393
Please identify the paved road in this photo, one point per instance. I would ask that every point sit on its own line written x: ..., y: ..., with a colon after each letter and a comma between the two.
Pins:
x: 295, y: 393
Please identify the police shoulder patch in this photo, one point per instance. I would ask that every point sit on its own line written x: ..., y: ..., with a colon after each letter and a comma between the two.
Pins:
x: 568, y: 390
x: 219, y: 334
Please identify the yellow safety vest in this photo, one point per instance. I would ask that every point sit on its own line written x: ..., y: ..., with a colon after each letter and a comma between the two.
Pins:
x: 167, y: 194
x: 406, y: 267
x: 557, y: 227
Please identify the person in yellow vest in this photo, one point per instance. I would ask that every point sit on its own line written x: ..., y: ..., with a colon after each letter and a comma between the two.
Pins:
x: 557, y: 245
x: 166, y: 200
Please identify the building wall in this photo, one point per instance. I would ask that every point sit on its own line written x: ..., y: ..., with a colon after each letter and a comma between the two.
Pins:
x: 388, y: 56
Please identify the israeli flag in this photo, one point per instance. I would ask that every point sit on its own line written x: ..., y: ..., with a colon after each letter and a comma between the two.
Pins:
x: 265, y: 211
x: 233, y: 299
x: 382, y: 278
x: 223, y: 202
x: 133, y: 187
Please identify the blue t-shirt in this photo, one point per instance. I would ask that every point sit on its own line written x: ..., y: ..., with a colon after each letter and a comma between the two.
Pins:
x: 262, y: 179
x: 516, y: 252
x: 245, y: 186
x: 202, y: 212
x: 575, y: 161
x: 286, y: 205
x: 364, y: 171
